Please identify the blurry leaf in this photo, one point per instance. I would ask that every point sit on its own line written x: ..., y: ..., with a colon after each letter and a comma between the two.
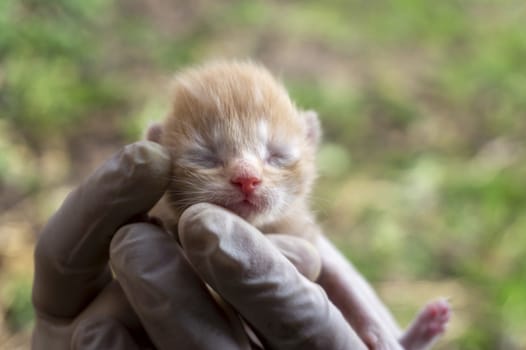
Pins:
x: 19, y: 308
x: 333, y: 160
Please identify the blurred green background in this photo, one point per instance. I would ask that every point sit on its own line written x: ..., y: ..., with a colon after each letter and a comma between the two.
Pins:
x: 423, y: 165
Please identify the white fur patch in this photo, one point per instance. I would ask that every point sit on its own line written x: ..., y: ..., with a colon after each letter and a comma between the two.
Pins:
x: 262, y: 137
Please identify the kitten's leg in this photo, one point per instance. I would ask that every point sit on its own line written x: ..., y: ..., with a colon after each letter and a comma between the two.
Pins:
x: 359, y: 303
x: 353, y: 296
x: 428, y: 326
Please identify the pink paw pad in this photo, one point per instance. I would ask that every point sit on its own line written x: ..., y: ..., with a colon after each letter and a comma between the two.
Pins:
x: 428, y: 325
x: 434, y: 317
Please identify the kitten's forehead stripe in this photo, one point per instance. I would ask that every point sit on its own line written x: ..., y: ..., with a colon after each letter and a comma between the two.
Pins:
x: 262, y: 130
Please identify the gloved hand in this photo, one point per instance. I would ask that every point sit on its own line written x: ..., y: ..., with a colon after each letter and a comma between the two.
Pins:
x: 156, y: 296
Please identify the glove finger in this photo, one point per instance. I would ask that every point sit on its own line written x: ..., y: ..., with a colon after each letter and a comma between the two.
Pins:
x: 302, y: 254
x: 103, y: 334
x: 286, y: 310
x: 108, y: 322
x: 173, y: 304
x: 72, y: 252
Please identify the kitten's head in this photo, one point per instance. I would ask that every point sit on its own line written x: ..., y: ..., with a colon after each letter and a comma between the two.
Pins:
x: 238, y: 141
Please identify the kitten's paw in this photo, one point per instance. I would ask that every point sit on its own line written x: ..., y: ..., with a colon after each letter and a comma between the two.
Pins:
x: 428, y: 326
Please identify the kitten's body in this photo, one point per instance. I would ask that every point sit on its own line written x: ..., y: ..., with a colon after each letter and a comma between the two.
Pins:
x: 238, y: 141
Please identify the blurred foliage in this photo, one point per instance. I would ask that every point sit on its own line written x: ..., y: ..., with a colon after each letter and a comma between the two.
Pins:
x: 19, y: 313
x: 423, y: 166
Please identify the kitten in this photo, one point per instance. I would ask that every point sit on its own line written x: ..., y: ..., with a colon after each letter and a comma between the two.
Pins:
x: 238, y: 141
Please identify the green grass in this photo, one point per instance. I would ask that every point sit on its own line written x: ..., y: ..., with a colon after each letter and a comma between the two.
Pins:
x: 422, y: 104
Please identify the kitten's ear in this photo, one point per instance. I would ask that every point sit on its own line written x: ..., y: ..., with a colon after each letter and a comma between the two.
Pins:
x: 313, y: 126
x: 154, y: 133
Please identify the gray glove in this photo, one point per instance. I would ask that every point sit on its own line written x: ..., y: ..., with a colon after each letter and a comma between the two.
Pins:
x: 157, y: 296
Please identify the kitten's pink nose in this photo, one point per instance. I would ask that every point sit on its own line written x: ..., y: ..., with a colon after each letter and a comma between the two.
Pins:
x: 247, y: 183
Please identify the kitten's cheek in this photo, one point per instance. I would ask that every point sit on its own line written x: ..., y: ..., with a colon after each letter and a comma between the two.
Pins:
x: 274, y: 201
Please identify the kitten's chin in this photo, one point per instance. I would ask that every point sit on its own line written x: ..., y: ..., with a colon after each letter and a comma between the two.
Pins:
x: 256, y: 216
x: 245, y: 209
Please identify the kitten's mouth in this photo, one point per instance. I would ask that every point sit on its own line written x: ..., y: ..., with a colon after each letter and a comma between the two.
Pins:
x: 246, y: 208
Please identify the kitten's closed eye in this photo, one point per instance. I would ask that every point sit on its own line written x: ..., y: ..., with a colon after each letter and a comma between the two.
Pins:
x: 280, y: 157
x: 202, y: 158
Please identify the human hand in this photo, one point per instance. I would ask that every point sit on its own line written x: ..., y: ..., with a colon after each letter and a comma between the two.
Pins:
x: 157, y: 298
